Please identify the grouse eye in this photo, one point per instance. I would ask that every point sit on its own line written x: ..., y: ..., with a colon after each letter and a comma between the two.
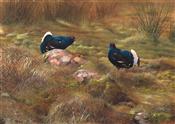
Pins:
x: 47, y: 48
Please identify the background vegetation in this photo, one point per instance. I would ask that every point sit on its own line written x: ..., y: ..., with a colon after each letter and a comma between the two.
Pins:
x: 32, y: 12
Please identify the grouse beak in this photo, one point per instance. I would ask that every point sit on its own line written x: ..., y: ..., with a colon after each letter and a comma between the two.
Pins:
x: 72, y: 38
x: 138, y: 62
x: 112, y: 45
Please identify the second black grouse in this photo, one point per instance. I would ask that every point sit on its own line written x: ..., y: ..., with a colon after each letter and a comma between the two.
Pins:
x: 122, y: 58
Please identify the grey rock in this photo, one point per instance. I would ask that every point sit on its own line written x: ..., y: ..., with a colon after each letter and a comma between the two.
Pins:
x: 141, y: 118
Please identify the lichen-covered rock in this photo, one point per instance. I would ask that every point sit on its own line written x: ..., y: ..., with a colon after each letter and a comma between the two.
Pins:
x: 61, y: 57
x: 83, y: 75
x: 141, y: 118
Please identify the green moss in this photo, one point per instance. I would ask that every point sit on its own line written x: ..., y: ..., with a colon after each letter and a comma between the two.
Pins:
x: 72, y: 85
x: 157, y: 117
x: 22, y: 36
x: 96, y: 88
x: 144, y: 79
x: 167, y: 75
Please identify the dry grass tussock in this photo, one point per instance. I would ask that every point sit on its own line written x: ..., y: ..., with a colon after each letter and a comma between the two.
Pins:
x: 151, y: 18
x: 19, y: 69
x: 113, y: 90
x: 84, y: 109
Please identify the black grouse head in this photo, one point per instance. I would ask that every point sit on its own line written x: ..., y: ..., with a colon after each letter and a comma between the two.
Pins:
x: 112, y: 45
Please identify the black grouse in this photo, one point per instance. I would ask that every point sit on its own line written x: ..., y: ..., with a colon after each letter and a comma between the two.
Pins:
x: 50, y: 42
x: 122, y: 58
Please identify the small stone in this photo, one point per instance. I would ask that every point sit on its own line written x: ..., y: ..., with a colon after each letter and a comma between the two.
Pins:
x: 13, y: 34
x: 65, y: 59
x: 5, y: 95
x: 78, y: 60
